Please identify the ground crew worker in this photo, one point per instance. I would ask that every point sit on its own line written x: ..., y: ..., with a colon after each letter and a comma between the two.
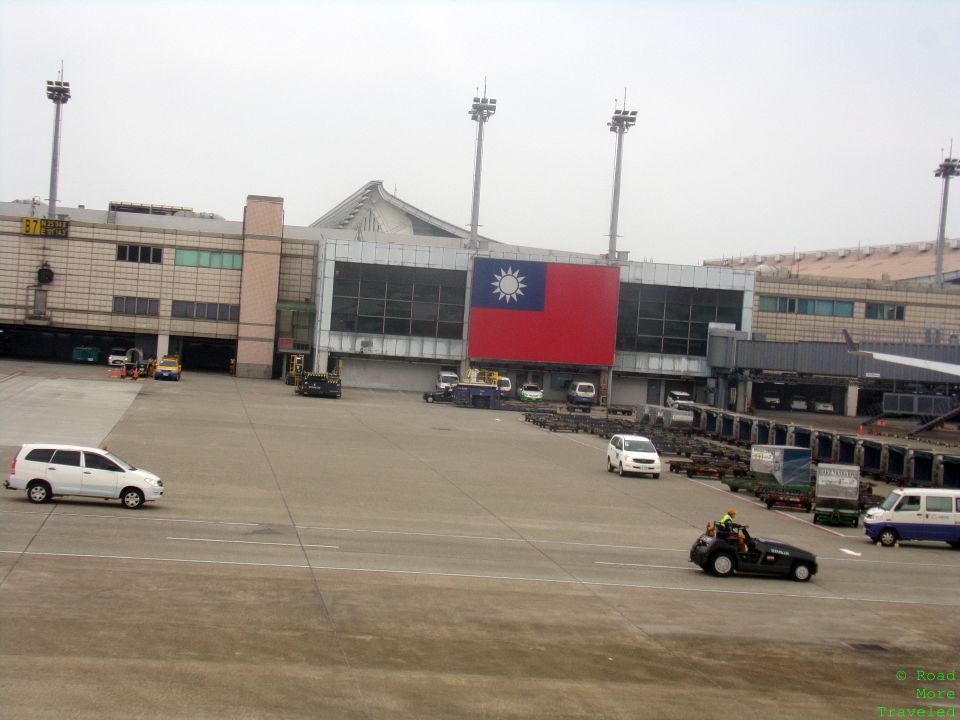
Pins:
x: 726, y: 523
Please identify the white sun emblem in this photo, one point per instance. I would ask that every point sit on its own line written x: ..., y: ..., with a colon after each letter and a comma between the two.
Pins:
x: 508, y: 284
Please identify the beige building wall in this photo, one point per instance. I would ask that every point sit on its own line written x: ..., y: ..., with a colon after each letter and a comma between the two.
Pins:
x: 926, y: 310
x: 88, y: 276
x: 259, y: 285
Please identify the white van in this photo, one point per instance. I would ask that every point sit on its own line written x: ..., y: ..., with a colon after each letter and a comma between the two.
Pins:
x: 916, y: 514
x: 680, y: 400
x: 48, y: 470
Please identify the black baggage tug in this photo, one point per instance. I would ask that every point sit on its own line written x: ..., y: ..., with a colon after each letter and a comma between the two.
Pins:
x: 724, y: 554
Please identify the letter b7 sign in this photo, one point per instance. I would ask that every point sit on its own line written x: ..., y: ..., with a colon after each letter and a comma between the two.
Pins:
x: 543, y: 312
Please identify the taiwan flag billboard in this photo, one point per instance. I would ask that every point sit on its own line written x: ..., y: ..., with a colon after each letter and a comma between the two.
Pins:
x: 543, y: 312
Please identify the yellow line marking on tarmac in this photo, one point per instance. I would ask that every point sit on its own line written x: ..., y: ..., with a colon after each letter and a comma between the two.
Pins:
x: 14, y: 374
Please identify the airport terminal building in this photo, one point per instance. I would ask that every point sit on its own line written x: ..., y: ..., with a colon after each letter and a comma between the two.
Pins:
x: 390, y: 295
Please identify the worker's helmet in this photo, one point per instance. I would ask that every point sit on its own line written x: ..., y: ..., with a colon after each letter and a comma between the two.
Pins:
x: 731, y: 511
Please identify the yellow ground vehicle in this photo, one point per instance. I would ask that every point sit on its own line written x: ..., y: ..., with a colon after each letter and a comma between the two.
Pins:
x: 168, y: 368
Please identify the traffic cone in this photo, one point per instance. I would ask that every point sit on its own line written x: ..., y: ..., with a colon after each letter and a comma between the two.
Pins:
x: 136, y: 373
x: 860, y: 431
x: 115, y: 373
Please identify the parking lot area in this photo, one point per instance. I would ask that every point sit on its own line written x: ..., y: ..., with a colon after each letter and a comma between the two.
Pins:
x: 377, y: 556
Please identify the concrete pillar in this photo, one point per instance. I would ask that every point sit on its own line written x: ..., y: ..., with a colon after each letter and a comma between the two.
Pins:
x: 850, y: 405
x: 744, y: 395
x: 163, y: 345
x: 259, y: 286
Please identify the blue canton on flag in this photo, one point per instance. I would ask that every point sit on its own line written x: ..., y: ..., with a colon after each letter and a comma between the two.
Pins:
x: 508, y: 284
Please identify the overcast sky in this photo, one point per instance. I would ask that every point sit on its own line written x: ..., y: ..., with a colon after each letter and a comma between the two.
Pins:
x: 761, y: 126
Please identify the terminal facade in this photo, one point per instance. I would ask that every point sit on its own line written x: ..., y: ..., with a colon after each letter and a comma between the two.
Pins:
x: 391, y: 295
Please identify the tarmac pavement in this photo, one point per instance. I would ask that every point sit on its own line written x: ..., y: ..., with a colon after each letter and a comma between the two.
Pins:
x: 380, y: 557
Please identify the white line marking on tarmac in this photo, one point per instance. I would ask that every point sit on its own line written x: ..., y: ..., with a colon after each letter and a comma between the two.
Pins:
x: 630, y: 586
x: 850, y: 552
x: 131, y: 517
x: 254, y: 542
x: 531, y: 541
x: 658, y: 567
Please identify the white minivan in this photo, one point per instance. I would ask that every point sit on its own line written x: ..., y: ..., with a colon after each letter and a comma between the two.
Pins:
x: 48, y: 470
x: 916, y: 514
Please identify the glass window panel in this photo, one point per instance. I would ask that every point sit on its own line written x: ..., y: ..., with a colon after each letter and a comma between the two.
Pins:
x: 345, y: 305
x: 145, y: 255
x: 424, y: 311
x: 234, y: 313
x: 216, y: 260
x: 223, y: 312
x: 648, y: 344
x: 399, y: 290
x: 370, y: 325
x: 650, y: 327
x: 373, y: 288
x: 699, y: 330
x: 626, y: 327
x: 157, y: 255
x: 451, y: 330
x: 451, y: 313
x: 681, y: 295
x: 118, y: 304
x: 806, y: 307
x: 203, y: 258
x: 698, y: 347
x: 143, y: 306
x: 675, y: 346
x: 369, y: 306
x: 121, y: 252
x: 900, y: 311
x: 427, y: 293
x: 629, y: 293
x: 842, y: 308
x: 182, y: 309
x: 187, y: 258
x: 66, y: 457
x: 650, y: 310
x: 938, y: 504
x: 729, y: 298
x: 130, y: 306
x: 703, y: 313
x: 677, y: 311
x: 211, y: 311
x: 343, y: 322
x: 348, y: 287
x: 346, y: 271
x: 677, y: 330
x: 824, y: 308
x: 237, y: 261
x: 423, y: 328
x: 653, y: 292
x: 153, y: 307
x: 729, y: 315
x: 397, y: 309
x: 453, y: 295
x: 396, y: 326
x: 768, y: 303
x: 200, y: 310
x: 626, y: 342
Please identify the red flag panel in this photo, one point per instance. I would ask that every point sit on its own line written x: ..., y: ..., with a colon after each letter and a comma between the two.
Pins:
x: 576, y: 326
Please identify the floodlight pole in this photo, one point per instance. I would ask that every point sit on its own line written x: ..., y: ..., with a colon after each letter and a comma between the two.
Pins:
x: 621, y: 121
x: 481, y: 111
x: 948, y: 168
x: 59, y: 92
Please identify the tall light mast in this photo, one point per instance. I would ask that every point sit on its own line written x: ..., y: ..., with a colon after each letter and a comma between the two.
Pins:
x: 482, y: 110
x: 59, y: 92
x: 621, y: 121
x: 948, y: 168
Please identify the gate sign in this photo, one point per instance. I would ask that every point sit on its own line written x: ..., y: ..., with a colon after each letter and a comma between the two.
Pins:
x: 44, y: 227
